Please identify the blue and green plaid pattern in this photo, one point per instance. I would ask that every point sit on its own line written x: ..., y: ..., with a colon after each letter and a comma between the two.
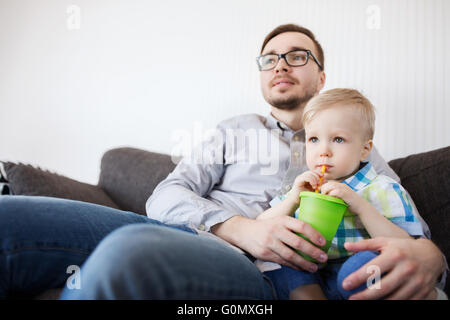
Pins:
x: 386, y: 195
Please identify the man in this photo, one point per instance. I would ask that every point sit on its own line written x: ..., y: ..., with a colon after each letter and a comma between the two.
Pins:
x: 222, y: 197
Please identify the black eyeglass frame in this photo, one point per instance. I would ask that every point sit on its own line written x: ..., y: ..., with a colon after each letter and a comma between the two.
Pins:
x: 283, y: 56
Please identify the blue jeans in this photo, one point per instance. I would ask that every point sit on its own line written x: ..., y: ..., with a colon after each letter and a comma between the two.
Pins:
x: 122, y: 255
x: 329, y: 278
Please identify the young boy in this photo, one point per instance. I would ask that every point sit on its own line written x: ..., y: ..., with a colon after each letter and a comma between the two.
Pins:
x: 339, y: 128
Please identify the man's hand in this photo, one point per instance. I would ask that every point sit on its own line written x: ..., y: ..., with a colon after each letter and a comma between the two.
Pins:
x: 273, y: 239
x: 411, y: 266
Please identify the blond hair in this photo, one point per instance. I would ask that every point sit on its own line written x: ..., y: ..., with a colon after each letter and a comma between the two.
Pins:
x: 342, y: 97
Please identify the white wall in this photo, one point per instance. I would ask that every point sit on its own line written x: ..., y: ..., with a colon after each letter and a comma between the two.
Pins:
x: 136, y: 71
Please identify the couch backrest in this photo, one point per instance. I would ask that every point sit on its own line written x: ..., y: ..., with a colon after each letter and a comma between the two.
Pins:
x: 130, y: 175
x: 426, y: 176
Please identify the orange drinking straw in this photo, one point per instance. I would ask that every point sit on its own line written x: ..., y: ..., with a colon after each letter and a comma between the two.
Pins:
x: 323, y: 169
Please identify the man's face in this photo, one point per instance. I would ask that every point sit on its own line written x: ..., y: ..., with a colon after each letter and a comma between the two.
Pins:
x: 286, y: 87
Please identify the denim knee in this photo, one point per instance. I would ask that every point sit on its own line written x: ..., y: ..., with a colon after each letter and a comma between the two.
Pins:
x: 133, y: 242
x: 352, y: 264
x: 6, y: 201
x: 124, y: 261
x: 156, y: 262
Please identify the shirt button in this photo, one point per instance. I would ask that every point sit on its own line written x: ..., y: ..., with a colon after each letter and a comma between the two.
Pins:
x: 288, y: 187
x: 296, y: 138
x: 201, y: 227
x: 296, y: 154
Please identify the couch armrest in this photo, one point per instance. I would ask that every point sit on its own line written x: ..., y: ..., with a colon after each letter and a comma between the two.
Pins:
x: 29, y: 181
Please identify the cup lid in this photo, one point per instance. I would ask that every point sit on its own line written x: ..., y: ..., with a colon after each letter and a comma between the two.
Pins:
x: 323, y: 197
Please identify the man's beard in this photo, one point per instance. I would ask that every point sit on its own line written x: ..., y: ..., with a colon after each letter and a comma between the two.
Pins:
x: 291, y: 103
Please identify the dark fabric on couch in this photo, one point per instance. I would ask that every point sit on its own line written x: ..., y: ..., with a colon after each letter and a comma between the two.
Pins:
x: 129, y: 176
x: 426, y: 176
x: 30, y: 181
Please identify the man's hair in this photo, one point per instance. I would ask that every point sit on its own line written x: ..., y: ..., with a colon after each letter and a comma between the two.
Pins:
x: 341, y: 98
x: 296, y: 28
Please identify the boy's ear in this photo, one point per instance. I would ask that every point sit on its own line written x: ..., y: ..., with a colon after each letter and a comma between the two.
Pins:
x: 366, y: 149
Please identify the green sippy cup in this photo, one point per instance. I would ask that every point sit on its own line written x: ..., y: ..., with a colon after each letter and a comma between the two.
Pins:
x: 324, y: 213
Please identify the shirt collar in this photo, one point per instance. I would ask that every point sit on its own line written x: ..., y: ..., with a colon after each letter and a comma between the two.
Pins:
x: 274, y: 123
x: 365, y: 175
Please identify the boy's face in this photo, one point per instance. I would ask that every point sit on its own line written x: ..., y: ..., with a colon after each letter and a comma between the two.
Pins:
x: 335, y: 138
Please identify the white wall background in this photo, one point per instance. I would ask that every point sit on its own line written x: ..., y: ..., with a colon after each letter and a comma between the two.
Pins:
x: 136, y: 71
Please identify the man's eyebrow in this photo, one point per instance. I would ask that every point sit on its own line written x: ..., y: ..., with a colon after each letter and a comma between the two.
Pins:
x: 290, y: 49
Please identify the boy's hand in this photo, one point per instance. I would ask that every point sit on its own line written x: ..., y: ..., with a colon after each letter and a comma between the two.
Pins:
x: 307, y: 181
x: 344, y: 192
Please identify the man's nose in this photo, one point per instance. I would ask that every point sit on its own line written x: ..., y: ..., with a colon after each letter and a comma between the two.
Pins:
x: 282, y: 66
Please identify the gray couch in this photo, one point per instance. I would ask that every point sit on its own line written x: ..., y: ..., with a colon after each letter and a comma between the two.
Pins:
x: 128, y: 177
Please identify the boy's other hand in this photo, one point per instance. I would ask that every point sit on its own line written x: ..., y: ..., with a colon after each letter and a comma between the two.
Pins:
x: 344, y: 192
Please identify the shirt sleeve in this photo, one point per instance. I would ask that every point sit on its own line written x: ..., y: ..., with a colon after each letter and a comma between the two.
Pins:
x: 182, y: 197
x: 392, y: 200
x: 276, y: 200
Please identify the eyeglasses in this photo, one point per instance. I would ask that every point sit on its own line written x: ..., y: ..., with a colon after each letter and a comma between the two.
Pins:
x: 294, y: 58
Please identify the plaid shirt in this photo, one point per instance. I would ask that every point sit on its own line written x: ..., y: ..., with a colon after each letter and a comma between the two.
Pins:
x: 386, y: 195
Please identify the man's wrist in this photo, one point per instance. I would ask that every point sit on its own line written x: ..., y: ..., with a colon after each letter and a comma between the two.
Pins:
x: 440, y: 265
x: 436, y: 266
x: 229, y: 229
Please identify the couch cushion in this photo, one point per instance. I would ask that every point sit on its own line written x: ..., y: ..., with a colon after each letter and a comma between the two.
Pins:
x: 426, y: 176
x: 129, y: 176
x: 30, y: 181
